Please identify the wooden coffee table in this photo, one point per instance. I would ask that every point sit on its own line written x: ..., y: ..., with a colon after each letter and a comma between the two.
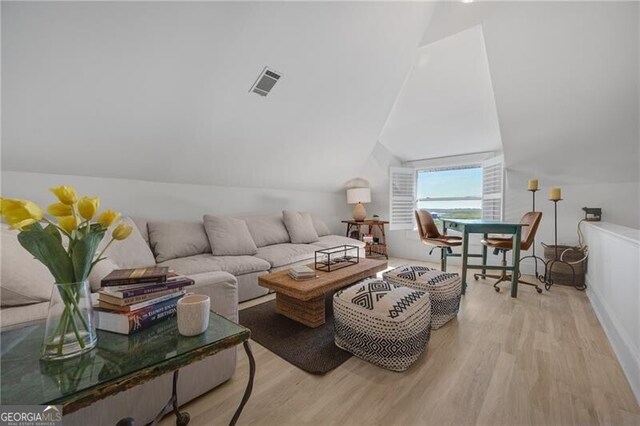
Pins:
x: 303, y: 301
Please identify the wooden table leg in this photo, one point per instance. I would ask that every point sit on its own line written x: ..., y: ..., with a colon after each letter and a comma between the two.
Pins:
x: 307, y: 312
x: 384, y: 241
x: 515, y: 257
x: 465, y: 259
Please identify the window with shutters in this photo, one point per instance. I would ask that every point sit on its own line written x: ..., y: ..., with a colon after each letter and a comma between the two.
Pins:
x: 473, y: 191
x: 492, y: 189
x: 402, y: 198
x: 451, y: 193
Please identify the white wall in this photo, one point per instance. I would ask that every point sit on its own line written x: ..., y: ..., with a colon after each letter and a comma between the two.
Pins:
x: 171, y: 201
x: 612, y: 279
x: 619, y: 203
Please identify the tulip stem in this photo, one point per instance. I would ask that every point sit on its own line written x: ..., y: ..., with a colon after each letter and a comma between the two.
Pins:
x: 59, y: 228
x: 105, y: 248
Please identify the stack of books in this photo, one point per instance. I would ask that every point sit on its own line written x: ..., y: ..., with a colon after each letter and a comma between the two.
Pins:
x: 131, y: 300
x: 301, y: 273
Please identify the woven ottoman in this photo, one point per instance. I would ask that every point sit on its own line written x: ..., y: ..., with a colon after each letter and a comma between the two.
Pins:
x: 445, y: 289
x: 383, y: 323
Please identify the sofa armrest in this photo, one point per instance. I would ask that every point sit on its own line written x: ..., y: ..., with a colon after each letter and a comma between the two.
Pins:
x: 222, y: 288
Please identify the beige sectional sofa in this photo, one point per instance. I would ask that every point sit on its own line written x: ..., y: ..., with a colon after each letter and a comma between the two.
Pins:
x: 185, y: 247
x: 273, y: 249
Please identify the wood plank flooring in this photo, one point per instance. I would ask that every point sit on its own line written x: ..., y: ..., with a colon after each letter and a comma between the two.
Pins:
x: 534, y: 360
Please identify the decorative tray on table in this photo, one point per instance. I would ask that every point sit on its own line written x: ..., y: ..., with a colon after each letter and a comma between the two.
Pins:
x: 333, y: 258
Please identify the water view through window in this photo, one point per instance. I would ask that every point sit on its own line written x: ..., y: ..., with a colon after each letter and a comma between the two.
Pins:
x: 451, y: 193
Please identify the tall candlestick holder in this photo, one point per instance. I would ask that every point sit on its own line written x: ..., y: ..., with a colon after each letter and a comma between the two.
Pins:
x: 548, y: 280
x: 533, y: 256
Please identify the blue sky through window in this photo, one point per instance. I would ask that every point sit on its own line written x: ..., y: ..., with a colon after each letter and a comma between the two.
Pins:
x: 450, y: 183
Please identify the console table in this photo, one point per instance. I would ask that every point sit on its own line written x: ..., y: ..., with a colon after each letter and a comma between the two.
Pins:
x: 118, y: 363
x: 378, y: 249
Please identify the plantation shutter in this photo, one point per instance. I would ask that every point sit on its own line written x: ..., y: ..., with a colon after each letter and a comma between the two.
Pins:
x: 402, y: 197
x: 492, y: 189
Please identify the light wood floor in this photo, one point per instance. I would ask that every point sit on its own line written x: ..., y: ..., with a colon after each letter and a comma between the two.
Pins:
x: 537, y: 359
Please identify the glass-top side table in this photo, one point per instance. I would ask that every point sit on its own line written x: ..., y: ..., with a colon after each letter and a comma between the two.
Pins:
x: 118, y: 363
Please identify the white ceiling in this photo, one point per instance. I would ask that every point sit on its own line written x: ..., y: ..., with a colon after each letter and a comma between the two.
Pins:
x: 565, y: 77
x: 446, y: 106
x: 159, y: 91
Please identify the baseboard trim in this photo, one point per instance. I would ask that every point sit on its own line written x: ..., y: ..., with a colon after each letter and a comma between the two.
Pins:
x: 618, y: 338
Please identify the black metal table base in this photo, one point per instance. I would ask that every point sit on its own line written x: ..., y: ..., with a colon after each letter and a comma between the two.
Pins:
x: 182, y: 417
x: 548, y: 280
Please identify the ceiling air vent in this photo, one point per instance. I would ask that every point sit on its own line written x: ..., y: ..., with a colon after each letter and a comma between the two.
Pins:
x: 265, y: 82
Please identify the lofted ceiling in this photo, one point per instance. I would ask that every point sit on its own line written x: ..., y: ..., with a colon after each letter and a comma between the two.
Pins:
x: 159, y: 91
x: 566, y: 83
x: 446, y: 106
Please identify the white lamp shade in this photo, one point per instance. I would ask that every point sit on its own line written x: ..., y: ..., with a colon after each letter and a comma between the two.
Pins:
x: 358, y: 195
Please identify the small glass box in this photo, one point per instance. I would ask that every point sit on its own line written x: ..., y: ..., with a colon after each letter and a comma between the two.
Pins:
x: 338, y: 257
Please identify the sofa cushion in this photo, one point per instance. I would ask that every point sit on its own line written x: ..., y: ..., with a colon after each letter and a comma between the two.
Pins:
x: 321, y: 228
x: 338, y: 240
x: 23, y: 315
x: 235, y: 265
x: 228, y: 236
x: 267, y: 230
x: 300, y: 227
x: 24, y: 280
x: 286, y: 254
x: 170, y: 240
x: 132, y: 252
x: 141, y: 224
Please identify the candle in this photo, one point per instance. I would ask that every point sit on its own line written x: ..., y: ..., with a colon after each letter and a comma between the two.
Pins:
x: 533, y: 185
x: 555, y: 194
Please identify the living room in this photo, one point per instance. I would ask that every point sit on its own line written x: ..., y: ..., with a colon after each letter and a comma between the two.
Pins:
x: 257, y: 168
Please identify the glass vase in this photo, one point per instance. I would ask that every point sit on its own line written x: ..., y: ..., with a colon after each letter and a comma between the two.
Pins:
x: 70, y: 329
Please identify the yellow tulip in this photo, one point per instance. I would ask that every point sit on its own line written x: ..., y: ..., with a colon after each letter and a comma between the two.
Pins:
x: 66, y: 194
x: 68, y: 223
x: 88, y: 206
x: 59, y: 209
x: 107, y: 217
x: 20, y: 213
x: 122, y: 231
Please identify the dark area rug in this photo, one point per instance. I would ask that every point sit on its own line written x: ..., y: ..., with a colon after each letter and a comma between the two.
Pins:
x: 311, y: 349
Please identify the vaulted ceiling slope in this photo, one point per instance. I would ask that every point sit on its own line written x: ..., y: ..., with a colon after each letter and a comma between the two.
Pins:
x: 566, y: 83
x: 160, y: 91
x: 446, y: 106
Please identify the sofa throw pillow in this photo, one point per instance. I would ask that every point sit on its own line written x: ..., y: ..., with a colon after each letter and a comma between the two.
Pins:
x: 24, y: 280
x: 132, y: 252
x: 229, y: 236
x: 321, y: 228
x: 267, y: 230
x: 171, y: 240
x: 300, y: 227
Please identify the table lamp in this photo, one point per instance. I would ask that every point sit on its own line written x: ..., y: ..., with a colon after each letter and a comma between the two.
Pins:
x: 358, y: 196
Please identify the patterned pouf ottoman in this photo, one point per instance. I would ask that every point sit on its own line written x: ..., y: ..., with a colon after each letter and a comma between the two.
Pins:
x: 383, y: 323
x: 445, y: 289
